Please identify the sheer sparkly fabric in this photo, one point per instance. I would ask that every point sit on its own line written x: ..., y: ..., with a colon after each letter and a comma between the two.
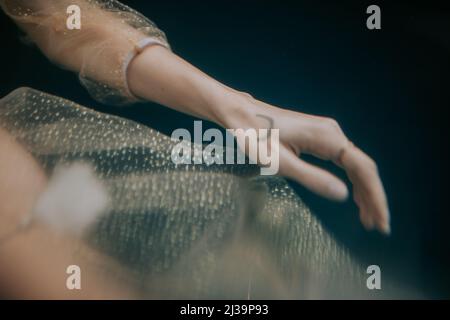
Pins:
x: 179, y: 231
x: 110, y: 35
x: 184, y: 231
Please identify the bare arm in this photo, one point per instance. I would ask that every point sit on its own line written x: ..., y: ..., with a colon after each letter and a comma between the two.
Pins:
x: 159, y: 75
x: 99, y: 49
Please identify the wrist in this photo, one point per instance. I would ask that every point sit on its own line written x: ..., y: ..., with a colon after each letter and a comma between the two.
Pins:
x: 233, y: 109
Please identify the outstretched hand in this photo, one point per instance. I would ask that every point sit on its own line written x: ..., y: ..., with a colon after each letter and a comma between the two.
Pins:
x: 160, y: 76
x: 322, y: 137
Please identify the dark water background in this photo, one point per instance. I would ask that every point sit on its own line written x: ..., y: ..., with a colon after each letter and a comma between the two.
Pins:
x: 389, y: 90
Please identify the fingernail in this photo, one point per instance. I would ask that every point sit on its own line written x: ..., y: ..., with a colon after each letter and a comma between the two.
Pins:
x: 338, y: 191
x: 370, y: 224
x: 386, y: 228
x: 387, y: 223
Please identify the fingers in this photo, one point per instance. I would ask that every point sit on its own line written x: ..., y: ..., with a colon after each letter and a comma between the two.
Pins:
x: 329, y: 142
x: 363, y: 173
x: 314, y: 178
x: 366, y: 219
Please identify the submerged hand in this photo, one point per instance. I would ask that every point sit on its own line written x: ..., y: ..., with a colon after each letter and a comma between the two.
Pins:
x: 322, y: 137
x: 158, y: 75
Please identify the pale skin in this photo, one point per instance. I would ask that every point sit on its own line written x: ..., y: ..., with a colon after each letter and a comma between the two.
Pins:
x: 159, y: 75
x: 156, y: 74
x: 33, y: 261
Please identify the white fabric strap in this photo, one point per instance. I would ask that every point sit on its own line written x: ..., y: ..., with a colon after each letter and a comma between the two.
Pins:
x: 139, y: 47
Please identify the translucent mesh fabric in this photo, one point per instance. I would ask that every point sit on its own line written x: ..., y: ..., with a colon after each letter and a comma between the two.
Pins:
x: 185, y: 231
x: 110, y: 35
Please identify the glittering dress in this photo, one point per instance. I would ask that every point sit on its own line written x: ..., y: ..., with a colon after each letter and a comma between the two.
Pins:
x: 180, y: 231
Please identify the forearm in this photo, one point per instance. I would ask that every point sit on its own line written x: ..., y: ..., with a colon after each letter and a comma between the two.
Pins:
x: 159, y: 75
x: 101, y: 50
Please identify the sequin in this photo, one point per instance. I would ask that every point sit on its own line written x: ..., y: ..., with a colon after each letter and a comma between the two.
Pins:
x: 192, y: 231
